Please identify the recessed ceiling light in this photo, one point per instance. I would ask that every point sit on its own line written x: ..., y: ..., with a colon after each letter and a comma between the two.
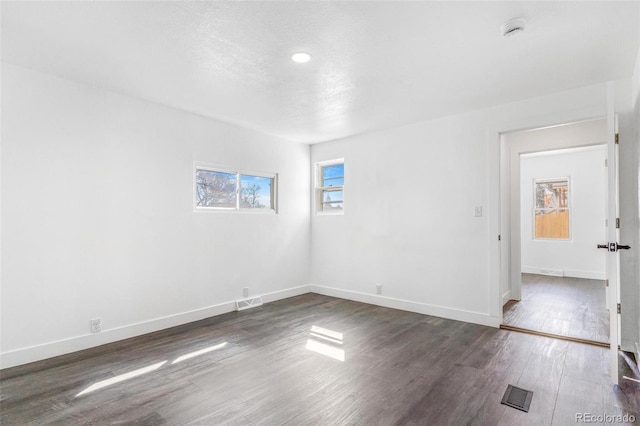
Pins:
x: 301, y: 57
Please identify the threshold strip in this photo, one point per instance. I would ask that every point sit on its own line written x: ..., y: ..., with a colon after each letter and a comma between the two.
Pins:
x: 555, y: 336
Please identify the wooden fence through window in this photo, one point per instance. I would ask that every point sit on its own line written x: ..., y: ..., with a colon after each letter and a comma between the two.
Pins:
x: 554, y: 225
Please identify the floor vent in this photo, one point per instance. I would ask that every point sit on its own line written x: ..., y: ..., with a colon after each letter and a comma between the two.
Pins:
x: 251, y: 302
x: 517, y: 398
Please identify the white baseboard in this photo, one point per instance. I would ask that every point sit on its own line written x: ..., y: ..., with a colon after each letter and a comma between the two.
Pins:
x: 573, y: 273
x: 506, y: 296
x: 542, y: 271
x: 590, y: 275
x: 86, y: 341
x: 406, y: 305
x: 285, y: 294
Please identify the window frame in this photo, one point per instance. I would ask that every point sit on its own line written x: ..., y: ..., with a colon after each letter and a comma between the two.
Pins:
x: 320, y: 189
x: 272, y: 209
x: 568, y: 209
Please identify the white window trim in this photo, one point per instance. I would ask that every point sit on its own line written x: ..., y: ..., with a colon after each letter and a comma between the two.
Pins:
x: 569, y: 209
x: 237, y: 209
x: 318, y: 190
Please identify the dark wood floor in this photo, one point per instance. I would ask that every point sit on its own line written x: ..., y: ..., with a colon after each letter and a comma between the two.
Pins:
x: 317, y: 360
x: 574, y: 307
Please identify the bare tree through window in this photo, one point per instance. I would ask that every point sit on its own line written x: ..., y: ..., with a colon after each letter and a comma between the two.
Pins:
x: 215, y: 189
x: 228, y: 190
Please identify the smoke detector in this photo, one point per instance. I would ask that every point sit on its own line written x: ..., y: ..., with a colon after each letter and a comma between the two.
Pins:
x: 512, y: 27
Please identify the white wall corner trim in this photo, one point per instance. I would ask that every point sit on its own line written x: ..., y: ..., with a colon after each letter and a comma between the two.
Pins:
x: 61, y: 347
x: 410, y: 306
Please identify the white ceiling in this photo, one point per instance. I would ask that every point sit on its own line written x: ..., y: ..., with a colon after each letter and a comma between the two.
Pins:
x: 375, y: 64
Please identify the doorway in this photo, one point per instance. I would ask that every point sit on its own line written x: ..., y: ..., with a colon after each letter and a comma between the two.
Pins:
x: 557, y: 182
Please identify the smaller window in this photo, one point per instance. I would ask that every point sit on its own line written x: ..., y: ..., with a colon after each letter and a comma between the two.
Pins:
x: 218, y: 189
x: 551, y: 209
x: 330, y: 186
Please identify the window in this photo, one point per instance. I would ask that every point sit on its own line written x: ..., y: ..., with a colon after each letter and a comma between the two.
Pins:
x: 219, y: 189
x: 215, y: 189
x: 330, y: 186
x: 551, y: 208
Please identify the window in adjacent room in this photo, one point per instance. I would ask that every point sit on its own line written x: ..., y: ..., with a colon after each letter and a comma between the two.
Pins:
x: 330, y: 186
x: 220, y: 189
x: 551, y: 208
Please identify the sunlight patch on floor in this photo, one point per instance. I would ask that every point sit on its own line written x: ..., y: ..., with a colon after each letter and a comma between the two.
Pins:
x: 121, y: 378
x: 200, y: 352
x: 327, y: 349
x: 139, y: 372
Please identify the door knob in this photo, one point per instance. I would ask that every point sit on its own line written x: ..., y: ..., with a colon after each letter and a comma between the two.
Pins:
x: 613, y: 247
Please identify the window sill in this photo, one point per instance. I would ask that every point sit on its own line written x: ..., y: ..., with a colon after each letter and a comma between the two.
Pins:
x: 340, y: 213
x: 236, y: 211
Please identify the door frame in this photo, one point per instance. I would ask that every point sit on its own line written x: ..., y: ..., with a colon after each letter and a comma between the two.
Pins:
x: 498, y: 249
x: 513, y: 182
x: 613, y: 234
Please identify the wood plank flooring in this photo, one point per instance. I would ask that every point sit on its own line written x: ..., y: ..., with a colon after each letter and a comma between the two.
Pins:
x: 573, y: 307
x: 317, y: 360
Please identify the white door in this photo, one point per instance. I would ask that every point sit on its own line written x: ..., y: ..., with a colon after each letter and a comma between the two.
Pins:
x: 613, y: 235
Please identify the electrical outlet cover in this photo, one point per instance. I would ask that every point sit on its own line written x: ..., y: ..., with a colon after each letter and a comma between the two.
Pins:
x: 95, y: 325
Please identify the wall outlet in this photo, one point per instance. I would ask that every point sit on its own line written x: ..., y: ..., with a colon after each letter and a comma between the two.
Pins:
x: 477, y: 211
x: 245, y: 292
x: 378, y: 288
x: 95, y: 325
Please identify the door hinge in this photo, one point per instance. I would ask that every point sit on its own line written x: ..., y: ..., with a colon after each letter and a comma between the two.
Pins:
x: 619, y: 309
x: 499, y: 238
x: 606, y: 283
x: 617, y: 138
x: 606, y: 162
x: 617, y: 223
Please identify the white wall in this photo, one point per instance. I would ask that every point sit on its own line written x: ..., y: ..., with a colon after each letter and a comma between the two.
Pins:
x: 409, y: 218
x: 578, y: 256
x: 408, y: 211
x: 98, y: 218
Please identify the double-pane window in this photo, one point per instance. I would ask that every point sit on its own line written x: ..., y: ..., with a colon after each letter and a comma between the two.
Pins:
x: 330, y: 187
x: 232, y: 190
